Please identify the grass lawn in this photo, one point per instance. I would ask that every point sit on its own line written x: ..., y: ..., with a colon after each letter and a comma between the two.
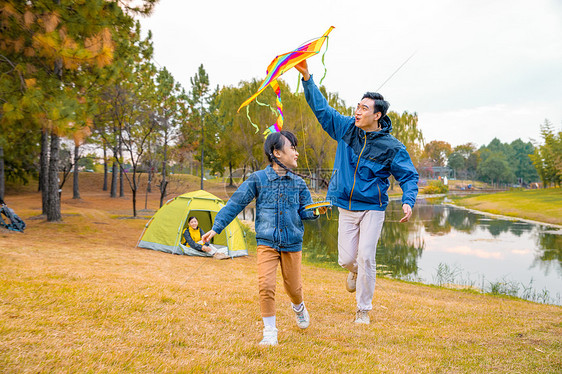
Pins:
x: 78, y: 296
x: 544, y: 205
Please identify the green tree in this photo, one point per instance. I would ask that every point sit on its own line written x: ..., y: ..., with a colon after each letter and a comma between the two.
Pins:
x: 405, y: 128
x: 516, y: 154
x: 194, y: 130
x: 457, y: 162
x: 521, y: 163
x: 49, y: 49
x: 170, y: 101
x: 231, y: 143
x: 547, y: 158
x: 130, y: 118
x: 495, y: 169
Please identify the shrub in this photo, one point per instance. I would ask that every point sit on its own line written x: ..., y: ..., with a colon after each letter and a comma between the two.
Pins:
x: 435, y: 187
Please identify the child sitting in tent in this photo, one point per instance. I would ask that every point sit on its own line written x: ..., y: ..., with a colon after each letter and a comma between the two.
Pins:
x: 281, y: 197
x: 192, y: 237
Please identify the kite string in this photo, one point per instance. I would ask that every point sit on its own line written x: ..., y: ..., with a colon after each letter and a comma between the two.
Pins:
x: 396, y: 71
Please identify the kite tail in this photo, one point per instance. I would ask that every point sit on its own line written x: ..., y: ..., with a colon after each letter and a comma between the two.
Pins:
x: 249, y: 119
x: 271, y: 129
x: 265, y: 104
x: 324, y: 54
x: 278, y: 126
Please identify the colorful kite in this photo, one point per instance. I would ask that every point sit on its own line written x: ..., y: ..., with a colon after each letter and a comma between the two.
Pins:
x: 280, y: 65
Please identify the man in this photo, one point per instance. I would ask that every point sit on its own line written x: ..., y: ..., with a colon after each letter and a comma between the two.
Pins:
x: 366, y: 156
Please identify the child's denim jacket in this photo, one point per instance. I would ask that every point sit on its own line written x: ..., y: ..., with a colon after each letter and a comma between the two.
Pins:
x: 280, y: 202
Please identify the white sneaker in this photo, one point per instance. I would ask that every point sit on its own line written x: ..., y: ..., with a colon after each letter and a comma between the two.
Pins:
x: 269, y: 336
x: 362, y: 316
x: 351, y: 281
x: 302, y: 317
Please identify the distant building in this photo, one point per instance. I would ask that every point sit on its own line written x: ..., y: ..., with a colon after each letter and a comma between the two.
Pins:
x: 434, y: 172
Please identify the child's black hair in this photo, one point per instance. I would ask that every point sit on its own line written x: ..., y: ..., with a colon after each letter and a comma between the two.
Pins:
x: 190, y: 218
x: 276, y: 141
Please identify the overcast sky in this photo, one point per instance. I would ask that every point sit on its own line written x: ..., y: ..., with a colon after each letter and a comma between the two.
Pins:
x: 480, y: 68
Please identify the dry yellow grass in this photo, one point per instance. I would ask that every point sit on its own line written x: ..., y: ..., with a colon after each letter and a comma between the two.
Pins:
x: 77, y: 296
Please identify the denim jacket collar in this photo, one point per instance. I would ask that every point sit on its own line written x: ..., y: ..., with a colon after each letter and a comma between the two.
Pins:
x: 272, y: 174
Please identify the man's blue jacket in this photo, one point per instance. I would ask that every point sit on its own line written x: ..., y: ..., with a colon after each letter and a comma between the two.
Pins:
x: 364, y: 160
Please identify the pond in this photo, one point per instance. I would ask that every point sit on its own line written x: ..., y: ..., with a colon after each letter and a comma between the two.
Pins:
x: 447, y: 245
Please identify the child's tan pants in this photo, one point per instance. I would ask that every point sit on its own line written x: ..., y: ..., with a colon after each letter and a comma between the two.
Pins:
x: 268, y: 258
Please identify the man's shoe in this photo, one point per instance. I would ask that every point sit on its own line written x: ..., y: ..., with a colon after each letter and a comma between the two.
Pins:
x: 302, y: 317
x: 351, y: 283
x: 269, y: 336
x: 362, y: 316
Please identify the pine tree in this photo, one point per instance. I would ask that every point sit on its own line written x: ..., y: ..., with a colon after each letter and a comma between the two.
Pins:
x: 51, y: 52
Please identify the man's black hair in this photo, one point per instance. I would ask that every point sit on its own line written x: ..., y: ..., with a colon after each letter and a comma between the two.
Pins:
x: 381, y: 105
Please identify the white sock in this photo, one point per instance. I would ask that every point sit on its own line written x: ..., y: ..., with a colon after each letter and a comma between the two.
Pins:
x: 298, y: 308
x: 269, y: 321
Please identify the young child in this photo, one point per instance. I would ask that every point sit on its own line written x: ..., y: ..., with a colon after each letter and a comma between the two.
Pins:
x: 192, y: 238
x: 280, y: 200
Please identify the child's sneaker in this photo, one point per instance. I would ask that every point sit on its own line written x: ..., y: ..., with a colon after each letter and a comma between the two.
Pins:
x: 302, y: 317
x: 269, y: 336
x: 351, y: 283
x: 362, y: 316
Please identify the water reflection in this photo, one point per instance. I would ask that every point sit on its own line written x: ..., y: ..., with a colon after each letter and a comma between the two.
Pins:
x: 485, y: 252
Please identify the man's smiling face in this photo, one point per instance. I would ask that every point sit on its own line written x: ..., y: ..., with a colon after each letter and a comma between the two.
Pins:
x: 365, y: 117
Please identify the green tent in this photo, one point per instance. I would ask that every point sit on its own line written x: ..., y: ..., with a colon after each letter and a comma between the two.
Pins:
x: 163, y: 232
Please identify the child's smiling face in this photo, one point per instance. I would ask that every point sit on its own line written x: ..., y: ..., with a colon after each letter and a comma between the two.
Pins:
x: 288, y: 155
x: 194, y: 223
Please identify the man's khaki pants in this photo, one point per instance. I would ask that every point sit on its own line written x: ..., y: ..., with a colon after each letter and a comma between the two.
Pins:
x: 358, y: 234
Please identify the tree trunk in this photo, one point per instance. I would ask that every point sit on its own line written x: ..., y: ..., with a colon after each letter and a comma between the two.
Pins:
x: 149, y: 182
x: 113, y: 192
x: 75, y: 189
x: 44, y: 171
x: 164, y: 183
x: 230, y: 172
x: 134, y: 193
x: 134, y: 182
x: 2, y: 176
x: 105, y: 168
x: 54, y: 191
x: 202, y: 155
x: 53, y: 200
x: 146, y: 197
x: 317, y: 180
x: 121, y: 171
x: 121, y: 181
